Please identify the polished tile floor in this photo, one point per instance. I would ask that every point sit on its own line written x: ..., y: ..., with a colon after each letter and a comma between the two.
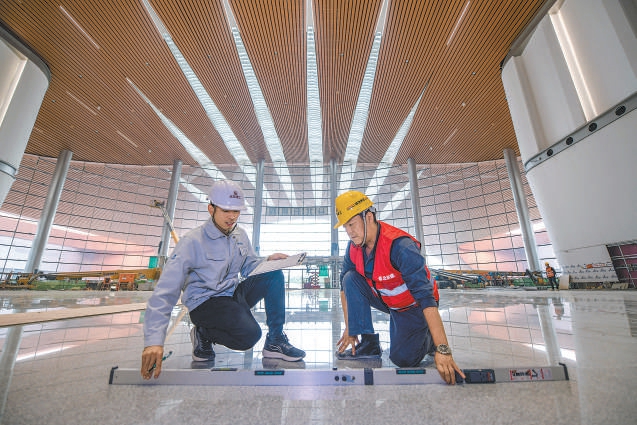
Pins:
x: 58, y: 372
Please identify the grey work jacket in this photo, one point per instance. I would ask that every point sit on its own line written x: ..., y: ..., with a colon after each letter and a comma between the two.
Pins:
x: 205, y: 263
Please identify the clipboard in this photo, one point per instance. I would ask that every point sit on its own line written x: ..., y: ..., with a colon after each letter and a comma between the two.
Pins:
x: 268, y: 266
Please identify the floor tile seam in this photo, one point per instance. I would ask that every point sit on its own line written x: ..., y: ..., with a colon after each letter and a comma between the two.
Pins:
x: 27, y: 318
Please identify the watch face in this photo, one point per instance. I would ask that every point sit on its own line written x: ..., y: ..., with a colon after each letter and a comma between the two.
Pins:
x: 443, y: 349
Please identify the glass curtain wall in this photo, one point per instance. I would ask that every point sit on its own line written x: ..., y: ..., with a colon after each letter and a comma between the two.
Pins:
x: 105, y: 219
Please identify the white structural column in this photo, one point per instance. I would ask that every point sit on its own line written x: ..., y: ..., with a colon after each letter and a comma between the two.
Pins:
x: 333, y: 188
x: 24, y: 79
x: 48, y: 211
x: 522, y: 210
x: 551, y: 344
x: 171, y: 202
x: 415, y: 203
x: 542, y: 97
x: 258, y: 207
x: 566, y: 91
x: 8, y: 356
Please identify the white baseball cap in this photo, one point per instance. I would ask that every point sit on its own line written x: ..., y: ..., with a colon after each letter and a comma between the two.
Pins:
x: 228, y: 195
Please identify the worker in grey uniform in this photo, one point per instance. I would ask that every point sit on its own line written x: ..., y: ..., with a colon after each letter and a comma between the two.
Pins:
x: 205, y: 265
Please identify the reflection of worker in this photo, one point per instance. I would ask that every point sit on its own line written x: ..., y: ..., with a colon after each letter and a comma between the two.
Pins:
x: 383, y: 268
x: 205, y: 265
x: 559, y: 308
x: 550, y: 275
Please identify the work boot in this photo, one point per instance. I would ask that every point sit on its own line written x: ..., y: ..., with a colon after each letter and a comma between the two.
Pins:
x: 368, y: 348
x: 278, y: 347
x: 201, y: 347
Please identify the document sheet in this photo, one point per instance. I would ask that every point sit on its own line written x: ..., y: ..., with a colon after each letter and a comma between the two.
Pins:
x: 268, y: 266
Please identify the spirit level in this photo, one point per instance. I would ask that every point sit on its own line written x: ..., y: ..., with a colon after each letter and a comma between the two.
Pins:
x: 342, y: 377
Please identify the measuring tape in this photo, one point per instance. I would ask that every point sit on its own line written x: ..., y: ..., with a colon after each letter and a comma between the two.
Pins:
x: 342, y: 377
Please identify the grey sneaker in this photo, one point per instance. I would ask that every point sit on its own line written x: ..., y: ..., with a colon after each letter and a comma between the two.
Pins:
x: 201, y: 348
x: 270, y: 363
x: 369, y: 348
x: 278, y: 347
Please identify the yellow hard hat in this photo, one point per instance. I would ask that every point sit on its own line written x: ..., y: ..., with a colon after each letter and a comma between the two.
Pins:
x: 546, y: 264
x: 349, y: 204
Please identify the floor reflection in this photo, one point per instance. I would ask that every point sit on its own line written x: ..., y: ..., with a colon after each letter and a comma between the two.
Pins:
x: 67, y: 361
x: 486, y: 329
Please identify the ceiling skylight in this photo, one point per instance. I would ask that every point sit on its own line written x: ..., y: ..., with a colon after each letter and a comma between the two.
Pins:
x: 215, y: 116
x: 190, y: 147
x: 314, y: 121
x: 261, y: 110
x: 387, y: 161
x: 361, y: 113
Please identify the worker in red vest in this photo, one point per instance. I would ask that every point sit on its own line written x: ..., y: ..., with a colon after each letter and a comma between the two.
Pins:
x: 383, y: 268
x: 550, y: 275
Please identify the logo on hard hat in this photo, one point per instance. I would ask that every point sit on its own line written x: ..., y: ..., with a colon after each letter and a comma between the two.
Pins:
x: 235, y: 195
x: 355, y: 203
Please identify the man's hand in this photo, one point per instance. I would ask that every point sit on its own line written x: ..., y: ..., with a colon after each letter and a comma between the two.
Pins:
x: 277, y: 256
x: 447, y: 367
x: 151, y: 361
x: 347, y: 341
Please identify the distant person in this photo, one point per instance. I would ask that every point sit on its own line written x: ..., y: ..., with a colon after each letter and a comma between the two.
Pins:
x: 204, y: 269
x: 383, y: 268
x: 550, y: 275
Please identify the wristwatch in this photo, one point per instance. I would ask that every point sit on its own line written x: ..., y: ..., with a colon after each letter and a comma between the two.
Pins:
x: 443, y: 349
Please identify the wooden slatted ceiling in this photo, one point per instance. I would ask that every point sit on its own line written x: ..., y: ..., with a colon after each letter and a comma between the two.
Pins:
x: 98, y: 115
x: 67, y: 124
x: 452, y: 84
x: 408, y: 58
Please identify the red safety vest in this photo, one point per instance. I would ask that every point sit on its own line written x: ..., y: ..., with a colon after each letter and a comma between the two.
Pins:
x: 386, y: 280
x: 550, y: 272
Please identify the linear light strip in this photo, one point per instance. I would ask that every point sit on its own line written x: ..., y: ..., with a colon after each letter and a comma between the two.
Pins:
x: 261, y: 110
x: 81, y: 103
x: 575, y: 68
x: 18, y: 69
x: 126, y: 138
x: 79, y: 27
x: 390, y: 155
x: 453, y: 133
x: 458, y: 22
